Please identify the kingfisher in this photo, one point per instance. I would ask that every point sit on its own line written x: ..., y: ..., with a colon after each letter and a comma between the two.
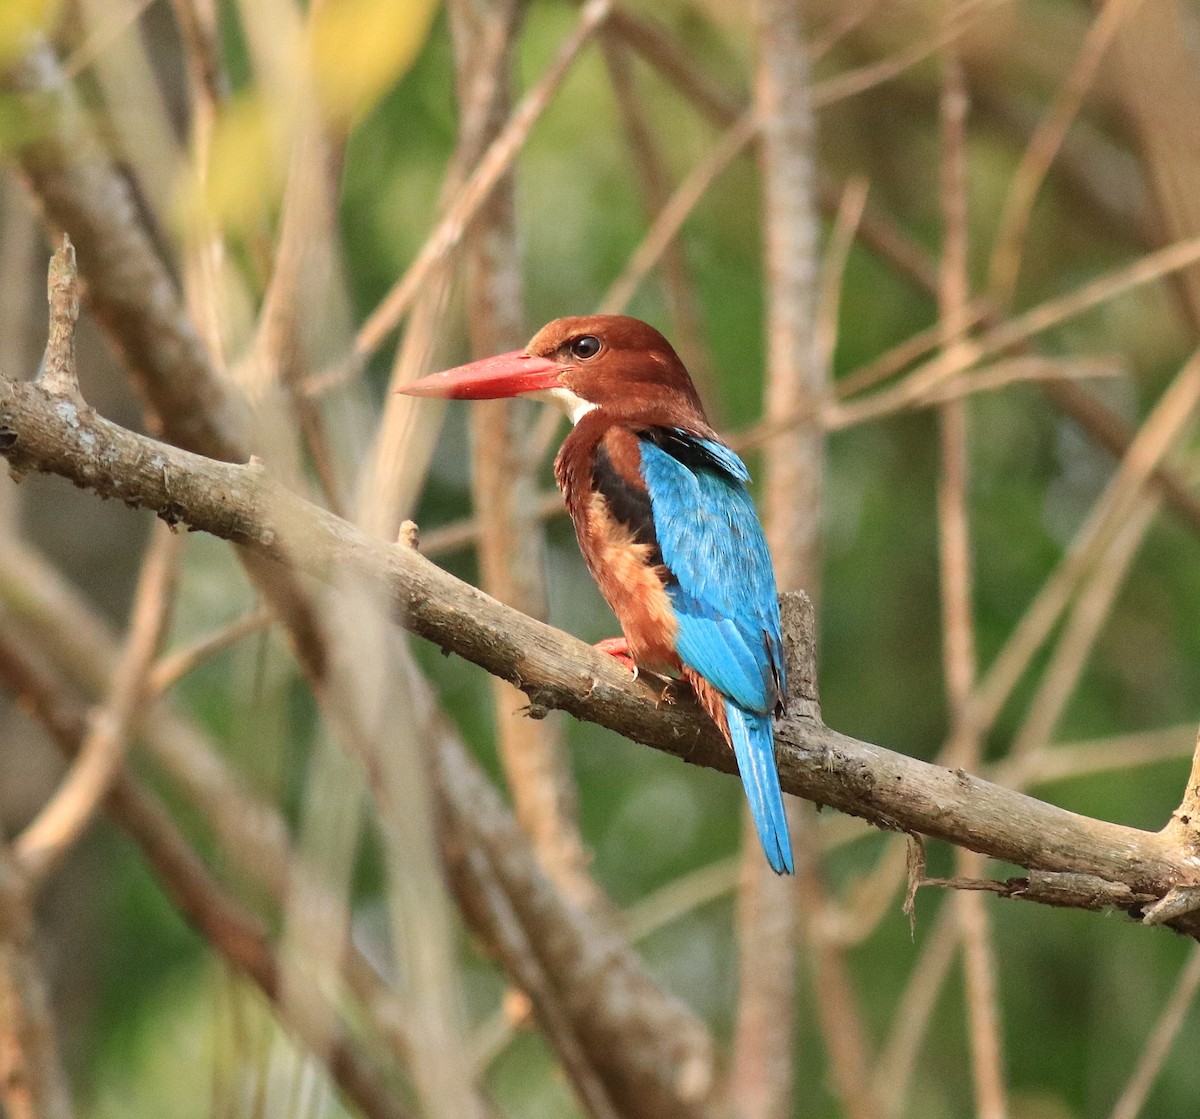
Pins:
x: 665, y: 524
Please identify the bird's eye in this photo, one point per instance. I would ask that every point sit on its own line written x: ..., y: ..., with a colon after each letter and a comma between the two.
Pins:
x: 585, y: 346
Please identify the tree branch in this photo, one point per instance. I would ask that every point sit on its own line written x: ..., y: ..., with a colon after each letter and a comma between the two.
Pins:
x: 32, y: 1083
x: 242, y: 504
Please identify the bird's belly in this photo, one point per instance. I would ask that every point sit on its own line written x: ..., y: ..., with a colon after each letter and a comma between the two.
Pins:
x: 633, y: 586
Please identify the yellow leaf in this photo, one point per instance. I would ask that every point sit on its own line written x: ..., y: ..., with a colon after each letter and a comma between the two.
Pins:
x: 360, y: 48
x: 246, y: 168
x: 19, y: 20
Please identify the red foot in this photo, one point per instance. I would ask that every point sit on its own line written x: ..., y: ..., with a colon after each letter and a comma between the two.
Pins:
x: 618, y: 647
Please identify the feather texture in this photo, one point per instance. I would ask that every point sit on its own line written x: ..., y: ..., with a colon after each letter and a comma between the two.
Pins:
x: 722, y: 588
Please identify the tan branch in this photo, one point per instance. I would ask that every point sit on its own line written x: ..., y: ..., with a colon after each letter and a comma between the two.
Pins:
x: 492, y: 166
x: 240, y: 503
x: 65, y: 817
x: 232, y: 931
x: 32, y: 1082
x: 769, y: 907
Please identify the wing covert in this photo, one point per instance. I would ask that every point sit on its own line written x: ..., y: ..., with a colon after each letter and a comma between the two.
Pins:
x: 724, y: 592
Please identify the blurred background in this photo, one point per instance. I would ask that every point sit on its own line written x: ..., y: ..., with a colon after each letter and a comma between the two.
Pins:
x: 1099, y: 717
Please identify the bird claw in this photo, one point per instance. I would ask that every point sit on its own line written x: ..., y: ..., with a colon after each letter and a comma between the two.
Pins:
x: 618, y: 647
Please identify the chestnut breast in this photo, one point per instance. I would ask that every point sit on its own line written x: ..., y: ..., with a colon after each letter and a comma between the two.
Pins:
x: 599, y: 471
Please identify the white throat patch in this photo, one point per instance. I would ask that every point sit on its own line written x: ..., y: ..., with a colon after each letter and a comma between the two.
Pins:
x: 574, y: 406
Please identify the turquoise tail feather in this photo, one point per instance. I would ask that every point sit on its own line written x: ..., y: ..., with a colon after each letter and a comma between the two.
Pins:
x: 753, y: 740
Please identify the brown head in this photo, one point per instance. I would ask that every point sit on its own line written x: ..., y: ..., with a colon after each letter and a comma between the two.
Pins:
x: 612, y: 363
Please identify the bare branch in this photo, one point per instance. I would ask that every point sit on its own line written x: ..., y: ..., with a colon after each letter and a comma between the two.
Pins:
x: 32, y: 1082
x: 1013, y: 332
x: 957, y: 582
x: 1044, y: 145
x: 240, y: 503
x: 65, y: 817
x: 172, y: 667
x: 492, y: 166
x: 230, y: 929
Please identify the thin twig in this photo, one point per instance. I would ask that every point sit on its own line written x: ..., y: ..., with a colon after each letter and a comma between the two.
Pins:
x: 1091, y: 608
x: 833, y: 268
x: 102, y: 36
x: 1068, y: 761
x: 653, y: 181
x: 875, y: 74
x: 956, y: 583
x: 172, y: 667
x: 63, y: 819
x: 1152, y: 444
x: 912, y: 1016
x: 1042, y: 148
x: 492, y: 167
x: 666, y: 226
x: 32, y: 1082
x: 1013, y: 332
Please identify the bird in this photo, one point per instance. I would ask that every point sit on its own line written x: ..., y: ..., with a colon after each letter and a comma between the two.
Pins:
x: 666, y: 526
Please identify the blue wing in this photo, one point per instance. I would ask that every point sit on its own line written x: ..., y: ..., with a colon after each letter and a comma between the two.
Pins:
x: 724, y: 591
x: 726, y: 605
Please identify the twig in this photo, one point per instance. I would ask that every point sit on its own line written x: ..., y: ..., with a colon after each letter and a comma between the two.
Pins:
x: 1067, y: 761
x: 910, y: 1022
x: 833, y: 269
x: 61, y: 821
x: 1185, y: 820
x: 1152, y: 444
x: 956, y: 583
x: 204, y: 243
x: 1091, y: 608
x: 1043, y: 146
x: 463, y: 533
x: 875, y: 74
x: 231, y: 930
x: 172, y: 667
x: 57, y: 374
x: 654, y: 184
x: 242, y: 504
x: 492, y: 167
x: 1153, y: 266
x: 675, y: 212
x: 681, y: 896
x: 64, y: 818
x: 102, y: 36
x: 676, y: 63
x: 32, y: 1082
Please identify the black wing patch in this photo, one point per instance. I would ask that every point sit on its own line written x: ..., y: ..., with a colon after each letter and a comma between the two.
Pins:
x: 695, y: 452
x: 628, y: 502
